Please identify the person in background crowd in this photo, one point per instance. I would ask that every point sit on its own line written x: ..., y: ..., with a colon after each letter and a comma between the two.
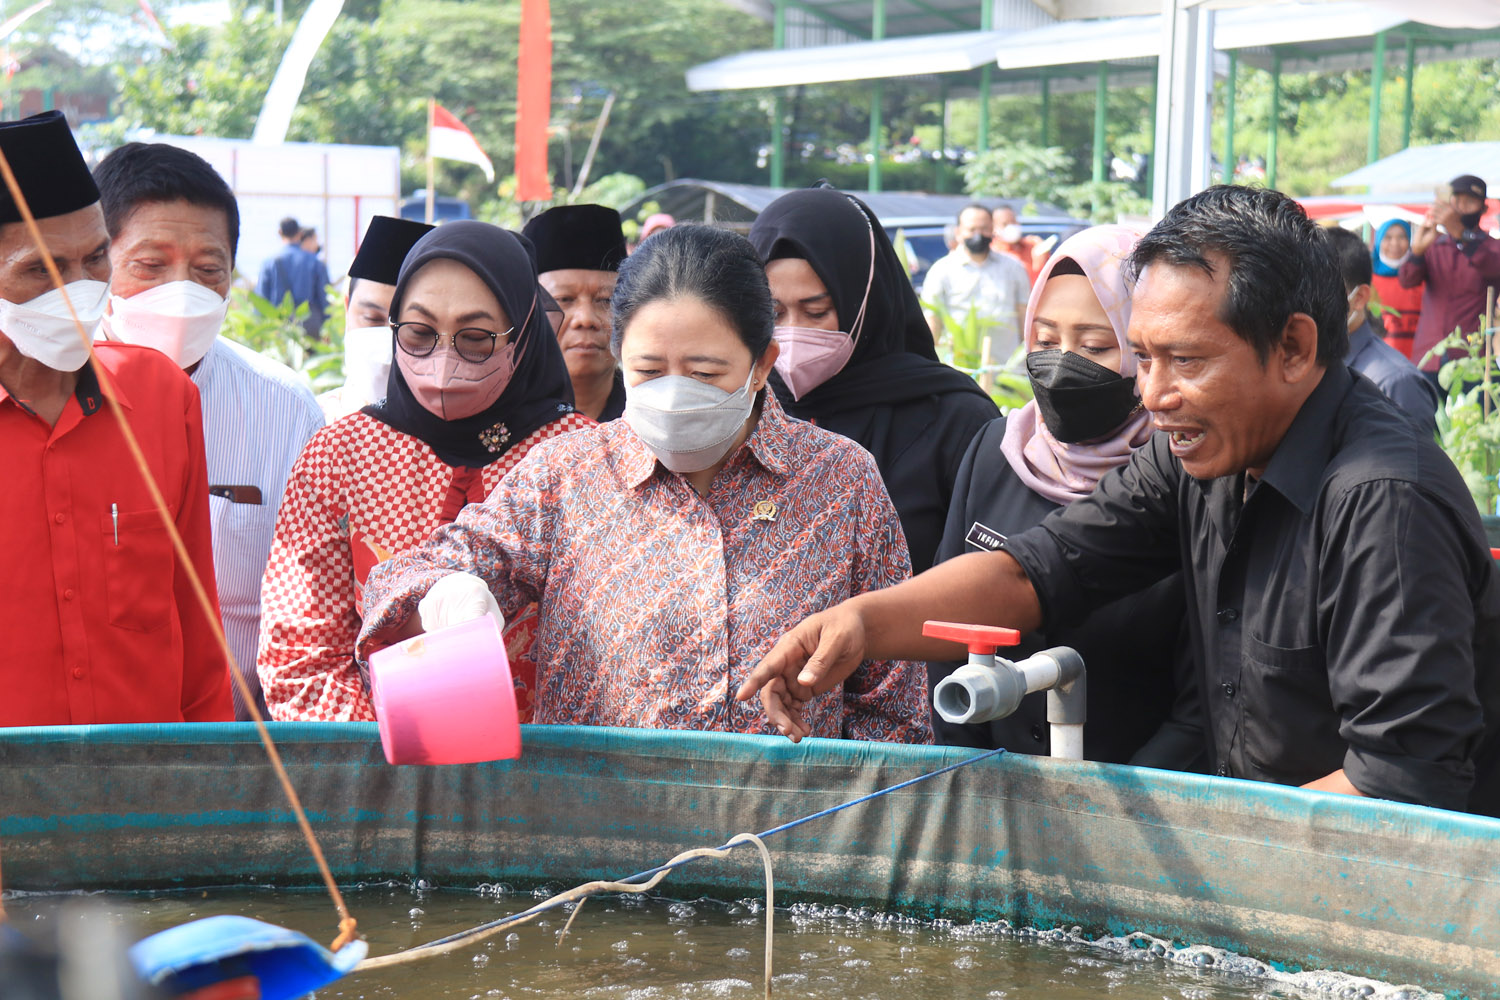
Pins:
x: 1086, y: 420
x: 308, y: 241
x: 1372, y: 357
x: 1456, y: 270
x: 1344, y: 607
x: 667, y: 548
x: 478, y: 381
x: 295, y: 272
x: 368, y: 341
x: 654, y: 224
x: 174, y: 228
x: 1400, y: 307
x: 578, y: 252
x: 100, y: 620
x: 1011, y: 241
x: 973, y: 277
x: 856, y: 358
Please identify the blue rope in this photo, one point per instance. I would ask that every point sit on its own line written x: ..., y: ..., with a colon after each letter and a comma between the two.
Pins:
x: 647, y: 874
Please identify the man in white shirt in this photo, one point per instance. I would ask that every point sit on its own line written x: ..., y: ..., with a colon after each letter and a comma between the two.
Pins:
x: 174, y: 228
x: 368, y: 339
x: 973, y: 277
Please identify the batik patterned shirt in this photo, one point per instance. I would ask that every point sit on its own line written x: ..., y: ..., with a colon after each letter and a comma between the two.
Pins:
x: 654, y: 603
x: 361, y: 492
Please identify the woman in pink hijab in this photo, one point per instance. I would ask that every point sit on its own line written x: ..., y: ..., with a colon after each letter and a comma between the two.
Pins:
x: 1085, y: 421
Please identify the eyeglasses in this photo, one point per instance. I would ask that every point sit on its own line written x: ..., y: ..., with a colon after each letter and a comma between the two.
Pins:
x: 471, y: 343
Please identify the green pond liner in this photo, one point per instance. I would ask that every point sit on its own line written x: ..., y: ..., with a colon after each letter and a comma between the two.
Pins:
x: 1400, y: 893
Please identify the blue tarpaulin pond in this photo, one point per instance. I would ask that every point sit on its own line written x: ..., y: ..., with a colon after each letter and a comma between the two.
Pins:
x: 1395, y: 892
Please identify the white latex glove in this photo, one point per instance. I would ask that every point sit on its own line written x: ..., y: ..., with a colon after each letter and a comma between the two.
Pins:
x: 457, y: 598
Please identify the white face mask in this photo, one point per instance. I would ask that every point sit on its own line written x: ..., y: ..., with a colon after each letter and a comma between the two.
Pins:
x: 43, y: 330
x: 1011, y: 233
x: 178, y: 318
x: 367, y: 363
x: 1355, y: 316
x: 690, y: 425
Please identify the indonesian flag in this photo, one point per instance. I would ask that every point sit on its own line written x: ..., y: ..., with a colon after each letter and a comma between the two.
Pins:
x: 449, y: 139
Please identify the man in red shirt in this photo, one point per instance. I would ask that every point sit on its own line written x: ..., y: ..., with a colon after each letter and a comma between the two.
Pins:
x: 1458, y: 269
x: 98, y: 621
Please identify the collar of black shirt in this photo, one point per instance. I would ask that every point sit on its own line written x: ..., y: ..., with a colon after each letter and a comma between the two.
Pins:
x: 1296, y: 467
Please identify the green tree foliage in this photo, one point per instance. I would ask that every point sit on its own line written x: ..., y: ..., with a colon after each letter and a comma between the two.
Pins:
x: 373, y: 75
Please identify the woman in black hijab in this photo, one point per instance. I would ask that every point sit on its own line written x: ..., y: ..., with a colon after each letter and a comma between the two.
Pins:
x: 857, y: 355
x: 478, y: 379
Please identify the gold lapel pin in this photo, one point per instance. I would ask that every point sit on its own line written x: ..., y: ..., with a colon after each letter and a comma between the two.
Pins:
x: 765, y: 510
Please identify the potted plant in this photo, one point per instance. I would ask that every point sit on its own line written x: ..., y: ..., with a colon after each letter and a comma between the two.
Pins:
x: 1469, y: 420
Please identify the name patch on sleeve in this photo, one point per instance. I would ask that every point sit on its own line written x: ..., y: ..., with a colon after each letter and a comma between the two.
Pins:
x: 982, y: 537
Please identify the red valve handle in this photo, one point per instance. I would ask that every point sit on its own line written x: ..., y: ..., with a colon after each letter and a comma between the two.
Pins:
x: 1495, y: 553
x: 979, y: 638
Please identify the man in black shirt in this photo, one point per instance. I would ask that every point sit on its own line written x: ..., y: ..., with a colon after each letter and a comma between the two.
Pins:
x: 1344, y: 609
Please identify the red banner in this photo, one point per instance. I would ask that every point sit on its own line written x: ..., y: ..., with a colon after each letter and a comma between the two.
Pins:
x: 533, y: 101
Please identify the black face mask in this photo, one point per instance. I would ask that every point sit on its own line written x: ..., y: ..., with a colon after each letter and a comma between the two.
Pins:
x: 1470, y: 220
x: 977, y: 244
x: 1079, y: 400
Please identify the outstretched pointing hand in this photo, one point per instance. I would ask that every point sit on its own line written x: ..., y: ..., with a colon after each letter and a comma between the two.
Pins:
x: 814, y: 657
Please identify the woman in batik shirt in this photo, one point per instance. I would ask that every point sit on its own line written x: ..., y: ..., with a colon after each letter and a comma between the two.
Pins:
x: 478, y: 380
x: 668, y: 550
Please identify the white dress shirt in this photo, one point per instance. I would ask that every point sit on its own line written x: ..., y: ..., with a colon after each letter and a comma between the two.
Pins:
x: 257, y: 416
x: 995, y: 288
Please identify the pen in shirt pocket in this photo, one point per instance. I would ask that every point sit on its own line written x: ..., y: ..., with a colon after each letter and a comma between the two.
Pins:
x: 114, y: 516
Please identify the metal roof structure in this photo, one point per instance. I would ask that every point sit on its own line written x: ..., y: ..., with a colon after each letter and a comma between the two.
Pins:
x: 738, y: 205
x: 1421, y: 168
x: 1050, y: 46
x: 1328, y: 36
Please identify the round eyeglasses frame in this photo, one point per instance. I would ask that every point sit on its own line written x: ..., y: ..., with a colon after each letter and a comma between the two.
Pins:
x: 433, y: 337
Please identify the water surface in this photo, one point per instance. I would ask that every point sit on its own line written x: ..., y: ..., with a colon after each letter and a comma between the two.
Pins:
x: 640, y: 948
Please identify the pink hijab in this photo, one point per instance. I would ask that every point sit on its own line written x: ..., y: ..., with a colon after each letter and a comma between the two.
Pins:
x: 1065, y: 472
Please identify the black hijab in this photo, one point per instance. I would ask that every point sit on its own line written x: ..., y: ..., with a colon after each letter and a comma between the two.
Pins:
x: 894, y: 360
x: 539, y: 390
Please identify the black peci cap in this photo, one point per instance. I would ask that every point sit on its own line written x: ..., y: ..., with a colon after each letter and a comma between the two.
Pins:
x: 48, y: 166
x: 586, y: 237
x: 1469, y: 184
x: 384, y: 247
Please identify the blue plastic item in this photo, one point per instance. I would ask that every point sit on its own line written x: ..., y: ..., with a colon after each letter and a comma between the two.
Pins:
x: 207, y: 951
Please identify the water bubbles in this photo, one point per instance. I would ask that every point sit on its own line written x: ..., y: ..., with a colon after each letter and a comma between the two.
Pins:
x: 415, y: 912
x: 621, y: 946
x: 481, y: 960
x: 964, y: 962
x: 681, y: 912
x: 738, y: 953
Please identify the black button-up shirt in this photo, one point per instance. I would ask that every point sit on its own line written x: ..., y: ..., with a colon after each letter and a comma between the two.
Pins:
x: 1344, y: 614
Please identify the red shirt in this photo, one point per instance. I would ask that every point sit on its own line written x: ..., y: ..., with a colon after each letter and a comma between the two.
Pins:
x: 653, y: 602
x: 361, y: 492
x: 98, y: 620
x: 1453, y: 297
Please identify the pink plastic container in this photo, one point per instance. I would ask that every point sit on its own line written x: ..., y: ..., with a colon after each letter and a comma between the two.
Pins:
x: 446, y: 697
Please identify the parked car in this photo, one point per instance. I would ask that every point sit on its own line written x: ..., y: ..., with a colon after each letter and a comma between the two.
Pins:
x: 918, y: 216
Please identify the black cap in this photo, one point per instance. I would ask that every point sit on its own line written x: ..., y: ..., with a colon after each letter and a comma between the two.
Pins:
x: 384, y: 247
x: 1469, y: 184
x: 586, y: 237
x: 48, y: 166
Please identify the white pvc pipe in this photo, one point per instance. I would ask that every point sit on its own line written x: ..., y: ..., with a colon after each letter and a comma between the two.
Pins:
x: 1067, y: 741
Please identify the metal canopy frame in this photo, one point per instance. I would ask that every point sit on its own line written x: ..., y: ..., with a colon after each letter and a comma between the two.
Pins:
x: 1184, y: 46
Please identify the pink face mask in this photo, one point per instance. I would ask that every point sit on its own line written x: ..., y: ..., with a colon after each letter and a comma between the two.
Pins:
x: 451, y: 388
x: 809, y: 357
